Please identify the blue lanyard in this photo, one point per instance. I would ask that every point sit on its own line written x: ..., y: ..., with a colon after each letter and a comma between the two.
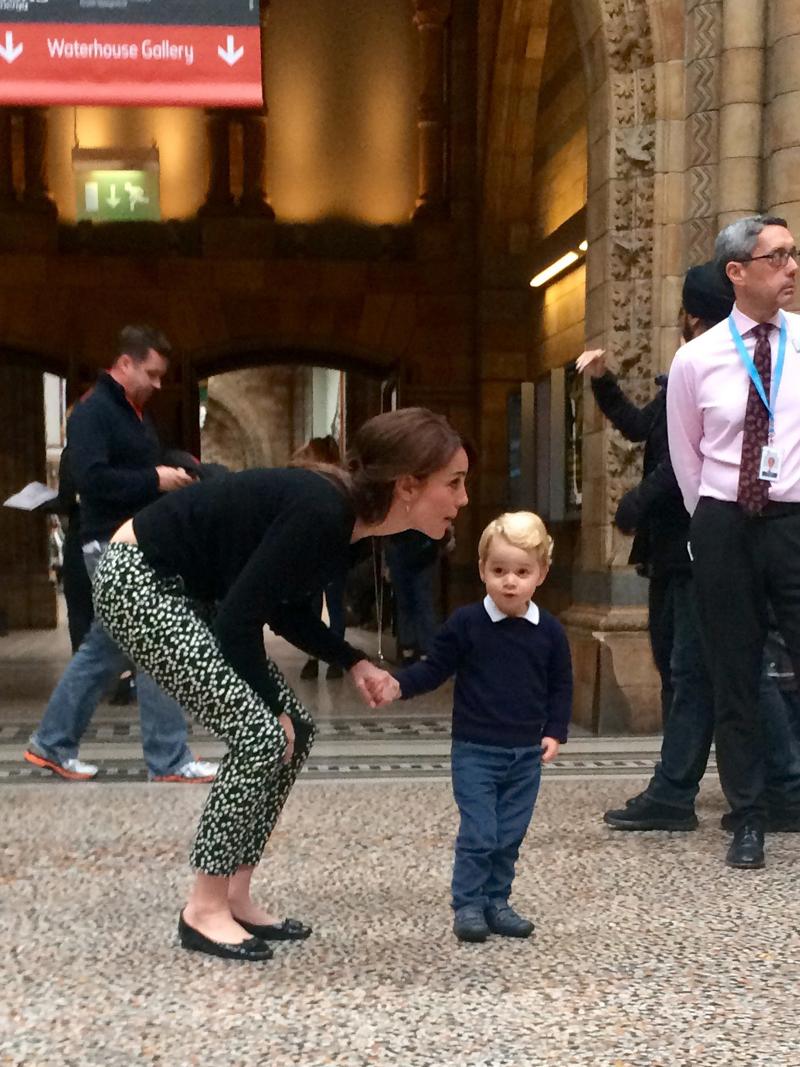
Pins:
x: 750, y: 366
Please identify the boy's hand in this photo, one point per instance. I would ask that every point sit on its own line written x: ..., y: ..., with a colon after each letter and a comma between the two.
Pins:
x: 550, y: 749
x: 370, y: 681
x: 390, y: 692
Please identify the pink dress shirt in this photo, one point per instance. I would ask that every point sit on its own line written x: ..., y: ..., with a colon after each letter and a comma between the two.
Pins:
x: 706, y: 401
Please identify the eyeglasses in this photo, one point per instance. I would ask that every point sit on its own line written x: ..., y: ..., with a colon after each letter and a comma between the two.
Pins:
x: 777, y: 259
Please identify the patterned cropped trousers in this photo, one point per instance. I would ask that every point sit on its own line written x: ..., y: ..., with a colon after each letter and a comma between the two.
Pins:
x: 160, y: 628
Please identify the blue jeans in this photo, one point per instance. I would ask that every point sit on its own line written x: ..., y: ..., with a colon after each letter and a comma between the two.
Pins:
x: 689, y: 728
x: 414, y: 600
x: 495, y: 789
x: 91, y: 670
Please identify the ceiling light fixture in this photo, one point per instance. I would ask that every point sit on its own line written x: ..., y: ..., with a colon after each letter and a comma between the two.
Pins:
x: 560, y: 265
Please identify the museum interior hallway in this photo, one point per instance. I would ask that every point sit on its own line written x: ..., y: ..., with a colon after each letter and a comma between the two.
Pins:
x: 648, y: 951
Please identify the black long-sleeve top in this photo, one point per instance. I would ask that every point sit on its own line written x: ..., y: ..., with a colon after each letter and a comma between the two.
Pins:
x: 259, y: 543
x: 113, y: 454
x: 513, y: 677
x: 655, y: 507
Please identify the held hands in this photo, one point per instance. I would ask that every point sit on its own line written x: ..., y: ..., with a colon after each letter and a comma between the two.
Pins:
x: 288, y: 729
x: 593, y: 362
x: 550, y: 749
x: 375, y: 686
x: 170, y: 478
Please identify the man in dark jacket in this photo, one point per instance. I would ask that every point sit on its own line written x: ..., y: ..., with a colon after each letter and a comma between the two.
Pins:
x: 654, y: 511
x: 114, y: 460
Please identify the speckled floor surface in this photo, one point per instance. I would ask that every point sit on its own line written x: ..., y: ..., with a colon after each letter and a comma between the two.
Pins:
x: 648, y: 951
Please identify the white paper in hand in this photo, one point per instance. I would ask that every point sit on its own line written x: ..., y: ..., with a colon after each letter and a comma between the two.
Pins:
x: 32, y: 496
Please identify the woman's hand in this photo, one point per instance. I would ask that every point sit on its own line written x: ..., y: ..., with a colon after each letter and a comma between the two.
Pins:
x: 372, y: 682
x: 592, y: 362
x: 288, y: 729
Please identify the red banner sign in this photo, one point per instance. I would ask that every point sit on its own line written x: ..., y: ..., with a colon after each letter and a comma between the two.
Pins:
x: 65, y: 63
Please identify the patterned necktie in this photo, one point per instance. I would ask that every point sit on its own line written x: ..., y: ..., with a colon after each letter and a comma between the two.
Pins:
x: 753, y: 492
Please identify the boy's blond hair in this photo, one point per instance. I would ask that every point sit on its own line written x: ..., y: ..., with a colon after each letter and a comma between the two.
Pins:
x: 524, y: 530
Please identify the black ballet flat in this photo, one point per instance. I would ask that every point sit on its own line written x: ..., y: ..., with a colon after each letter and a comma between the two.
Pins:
x: 253, y: 949
x: 288, y: 930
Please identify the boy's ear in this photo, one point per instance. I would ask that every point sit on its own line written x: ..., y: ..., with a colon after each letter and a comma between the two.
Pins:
x: 543, y: 572
x: 481, y: 570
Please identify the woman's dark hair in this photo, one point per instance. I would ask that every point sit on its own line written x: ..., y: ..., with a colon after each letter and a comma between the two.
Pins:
x: 316, y: 452
x: 409, y: 441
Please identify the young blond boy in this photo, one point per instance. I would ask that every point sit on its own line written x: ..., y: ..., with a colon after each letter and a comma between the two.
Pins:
x: 511, y: 710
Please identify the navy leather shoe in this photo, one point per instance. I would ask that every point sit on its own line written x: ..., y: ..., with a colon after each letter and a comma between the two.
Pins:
x: 288, y: 930
x: 469, y: 923
x: 502, y: 919
x: 252, y: 949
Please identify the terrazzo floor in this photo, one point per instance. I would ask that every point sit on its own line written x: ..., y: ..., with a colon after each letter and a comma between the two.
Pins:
x: 648, y: 951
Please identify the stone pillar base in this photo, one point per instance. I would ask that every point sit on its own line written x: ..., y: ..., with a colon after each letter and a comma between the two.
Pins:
x: 617, y: 687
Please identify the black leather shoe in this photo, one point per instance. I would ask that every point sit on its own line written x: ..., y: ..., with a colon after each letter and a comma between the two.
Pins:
x: 334, y: 671
x: 252, y: 949
x: 502, y: 919
x: 746, y: 851
x: 310, y: 669
x: 642, y: 813
x: 470, y: 923
x: 288, y: 930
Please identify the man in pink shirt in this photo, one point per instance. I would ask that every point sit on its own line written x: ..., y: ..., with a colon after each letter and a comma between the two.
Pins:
x: 733, y: 418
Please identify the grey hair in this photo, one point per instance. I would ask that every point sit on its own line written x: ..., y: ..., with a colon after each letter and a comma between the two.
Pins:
x: 737, y: 241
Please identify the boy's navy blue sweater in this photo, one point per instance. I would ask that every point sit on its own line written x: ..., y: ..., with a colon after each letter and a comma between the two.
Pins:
x: 513, y: 677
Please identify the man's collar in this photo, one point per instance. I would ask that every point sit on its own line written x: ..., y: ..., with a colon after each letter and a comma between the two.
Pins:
x: 495, y: 614
x: 744, y: 323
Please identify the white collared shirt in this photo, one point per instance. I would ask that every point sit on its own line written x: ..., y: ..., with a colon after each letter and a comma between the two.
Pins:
x: 495, y: 614
x: 706, y: 403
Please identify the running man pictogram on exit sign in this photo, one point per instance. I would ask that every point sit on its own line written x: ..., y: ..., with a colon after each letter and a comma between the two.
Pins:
x: 204, y: 53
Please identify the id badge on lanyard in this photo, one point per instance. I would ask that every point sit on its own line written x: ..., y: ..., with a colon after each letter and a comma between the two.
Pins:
x: 769, y: 468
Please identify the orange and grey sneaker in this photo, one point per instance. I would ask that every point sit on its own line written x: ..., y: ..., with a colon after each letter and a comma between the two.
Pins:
x: 74, y: 770
x: 195, y: 770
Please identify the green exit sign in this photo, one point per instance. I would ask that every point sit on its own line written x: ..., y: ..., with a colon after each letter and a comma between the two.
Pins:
x: 112, y: 188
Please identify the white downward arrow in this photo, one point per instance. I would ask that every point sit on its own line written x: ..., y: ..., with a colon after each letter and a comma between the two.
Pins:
x: 12, y: 51
x: 113, y: 200
x: 229, y: 54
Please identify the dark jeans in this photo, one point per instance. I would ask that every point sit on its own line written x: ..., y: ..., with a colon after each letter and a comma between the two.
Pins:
x: 415, y: 600
x: 661, y: 626
x: 689, y: 730
x: 495, y: 789
x: 742, y: 565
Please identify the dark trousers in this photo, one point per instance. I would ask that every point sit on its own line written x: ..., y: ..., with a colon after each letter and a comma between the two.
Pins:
x: 495, y: 789
x: 660, y: 621
x: 741, y: 565
x: 689, y: 730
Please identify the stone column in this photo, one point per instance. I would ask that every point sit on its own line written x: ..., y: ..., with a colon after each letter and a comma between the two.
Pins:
x: 254, y: 142
x: 741, y: 110
x: 704, y: 47
x: 254, y: 165
x: 37, y: 193
x: 782, y: 140
x: 27, y: 596
x: 430, y: 17
x: 219, y: 199
x: 7, y: 192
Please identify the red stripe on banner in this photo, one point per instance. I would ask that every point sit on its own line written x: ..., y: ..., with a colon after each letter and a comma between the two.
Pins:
x: 203, y: 66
